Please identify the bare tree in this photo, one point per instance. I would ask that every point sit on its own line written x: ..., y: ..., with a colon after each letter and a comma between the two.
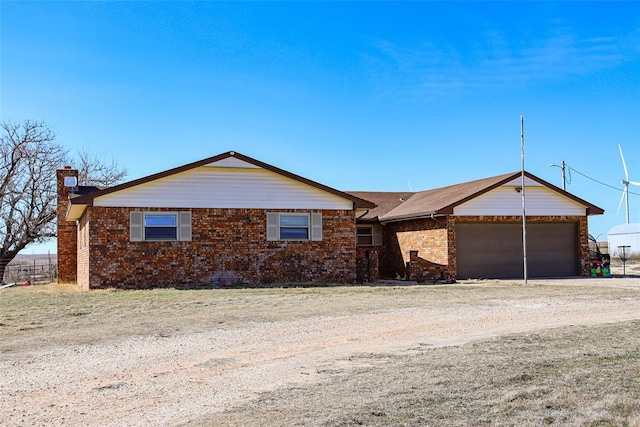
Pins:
x: 29, y: 157
x: 93, y: 170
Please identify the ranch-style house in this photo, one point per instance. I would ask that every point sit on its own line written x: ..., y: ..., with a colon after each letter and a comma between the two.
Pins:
x: 233, y: 220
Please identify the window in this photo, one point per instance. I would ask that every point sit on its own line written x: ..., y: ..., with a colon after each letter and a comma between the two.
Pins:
x: 369, y: 235
x: 294, y: 226
x: 365, y: 236
x: 159, y: 226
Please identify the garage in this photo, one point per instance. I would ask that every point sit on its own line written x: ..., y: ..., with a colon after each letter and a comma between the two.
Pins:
x: 474, y: 230
x: 494, y: 250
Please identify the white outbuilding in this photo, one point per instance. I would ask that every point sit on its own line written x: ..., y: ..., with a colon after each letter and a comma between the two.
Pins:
x: 627, y: 235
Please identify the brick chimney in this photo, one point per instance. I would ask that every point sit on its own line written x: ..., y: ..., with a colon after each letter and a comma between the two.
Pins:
x: 67, y: 230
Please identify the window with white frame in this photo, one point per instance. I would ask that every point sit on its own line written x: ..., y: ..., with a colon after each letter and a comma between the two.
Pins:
x: 160, y: 226
x: 294, y: 226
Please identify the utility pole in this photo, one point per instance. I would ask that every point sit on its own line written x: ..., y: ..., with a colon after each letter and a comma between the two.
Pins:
x: 564, y: 177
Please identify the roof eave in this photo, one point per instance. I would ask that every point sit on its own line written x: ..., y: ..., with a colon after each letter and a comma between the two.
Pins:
x: 75, y: 211
x: 594, y: 210
x: 421, y: 215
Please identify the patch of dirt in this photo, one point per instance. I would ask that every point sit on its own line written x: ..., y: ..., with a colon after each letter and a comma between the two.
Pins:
x: 189, y: 353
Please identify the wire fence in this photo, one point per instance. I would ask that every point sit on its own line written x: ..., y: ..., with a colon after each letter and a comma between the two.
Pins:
x: 37, y: 271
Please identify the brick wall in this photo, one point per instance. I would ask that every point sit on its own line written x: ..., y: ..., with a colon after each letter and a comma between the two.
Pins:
x: 228, y: 246
x: 427, y: 236
x: 422, y: 270
x: 67, y: 241
x: 368, y: 263
x: 585, y: 259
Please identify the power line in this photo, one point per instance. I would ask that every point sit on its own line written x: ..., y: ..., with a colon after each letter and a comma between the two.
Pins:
x: 600, y: 182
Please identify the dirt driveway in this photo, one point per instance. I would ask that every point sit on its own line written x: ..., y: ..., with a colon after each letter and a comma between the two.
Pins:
x: 168, y: 357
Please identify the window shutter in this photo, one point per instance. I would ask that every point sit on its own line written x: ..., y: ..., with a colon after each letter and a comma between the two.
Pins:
x: 135, y: 226
x: 316, y: 226
x: 272, y: 226
x: 377, y: 235
x: 185, y: 226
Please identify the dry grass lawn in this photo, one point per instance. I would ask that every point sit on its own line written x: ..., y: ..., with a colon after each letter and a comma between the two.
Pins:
x: 563, y: 352
x: 583, y: 376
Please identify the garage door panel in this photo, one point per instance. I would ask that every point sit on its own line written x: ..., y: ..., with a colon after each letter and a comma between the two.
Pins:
x: 495, y: 250
x: 554, y: 249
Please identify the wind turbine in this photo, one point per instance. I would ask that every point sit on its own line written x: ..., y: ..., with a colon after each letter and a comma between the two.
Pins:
x: 625, y: 182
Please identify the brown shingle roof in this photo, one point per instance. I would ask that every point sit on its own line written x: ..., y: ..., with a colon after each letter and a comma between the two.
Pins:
x: 442, y: 201
x: 385, y: 202
x: 85, y: 189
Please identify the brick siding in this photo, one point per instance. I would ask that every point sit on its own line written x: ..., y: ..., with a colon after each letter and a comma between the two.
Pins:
x: 368, y: 263
x: 428, y: 236
x: 228, y: 247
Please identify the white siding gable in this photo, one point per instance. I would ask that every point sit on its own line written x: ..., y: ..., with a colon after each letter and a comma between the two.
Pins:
x: 505, y: 200
x: 528, y: 182
x: 225, y: 187
x: 233, y: 162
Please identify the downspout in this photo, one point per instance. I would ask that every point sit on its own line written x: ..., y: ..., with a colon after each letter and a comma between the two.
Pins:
x: 365, y: 212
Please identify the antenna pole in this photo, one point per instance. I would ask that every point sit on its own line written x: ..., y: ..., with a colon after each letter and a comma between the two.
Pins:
x: 524, y: 216
x: 627, y: 201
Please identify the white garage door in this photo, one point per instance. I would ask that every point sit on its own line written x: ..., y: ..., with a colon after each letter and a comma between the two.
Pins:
x: 494, y: 250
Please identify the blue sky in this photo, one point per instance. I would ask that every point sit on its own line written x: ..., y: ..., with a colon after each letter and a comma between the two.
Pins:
x: 355, y: 95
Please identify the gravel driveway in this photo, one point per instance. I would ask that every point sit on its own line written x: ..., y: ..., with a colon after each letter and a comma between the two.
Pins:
x: 161, y: 378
